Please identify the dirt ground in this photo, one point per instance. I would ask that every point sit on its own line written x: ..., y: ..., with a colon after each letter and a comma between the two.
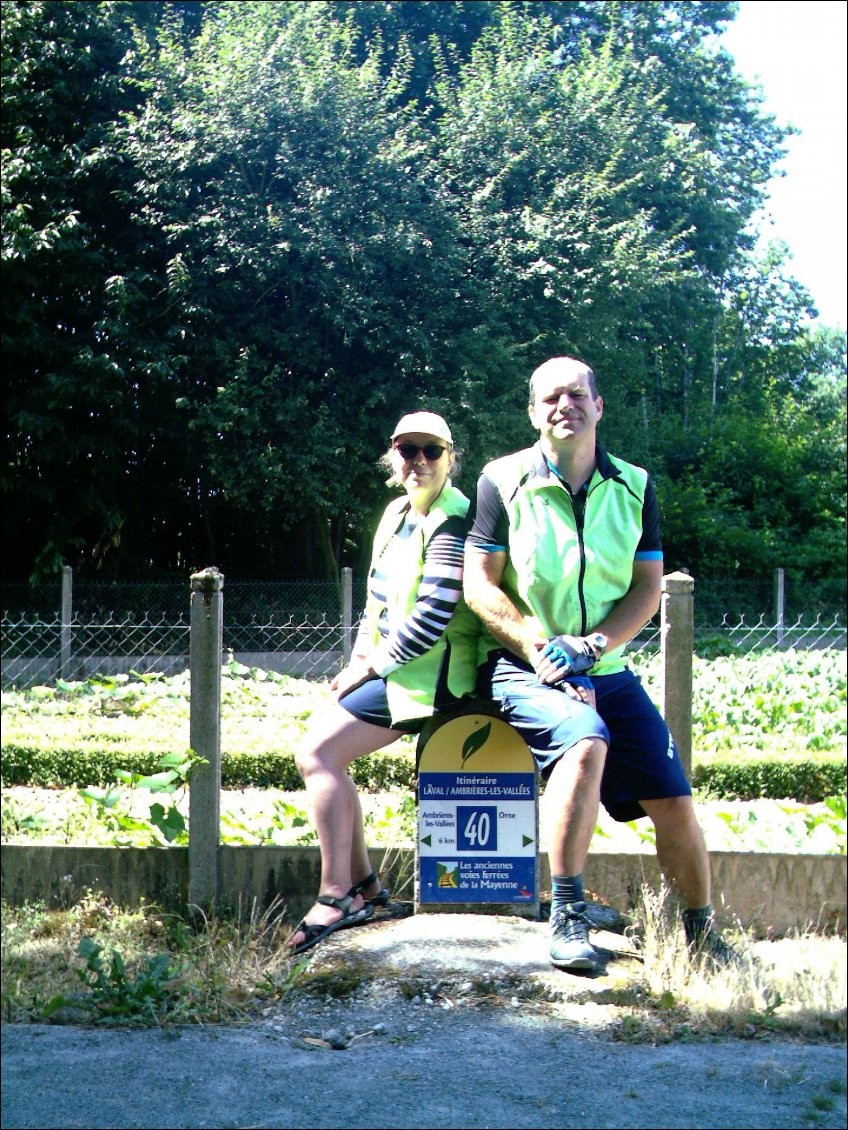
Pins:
x: 425, y: 1021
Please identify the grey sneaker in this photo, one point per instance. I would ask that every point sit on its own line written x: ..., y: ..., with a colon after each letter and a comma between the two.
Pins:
x: 570, y: 946
x: 603, y: 917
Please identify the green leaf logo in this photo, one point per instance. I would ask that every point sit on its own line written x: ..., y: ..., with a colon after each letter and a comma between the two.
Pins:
x: 475, y: 741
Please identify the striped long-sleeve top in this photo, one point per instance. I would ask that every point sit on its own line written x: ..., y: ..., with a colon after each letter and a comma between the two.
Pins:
x: 438, y: 594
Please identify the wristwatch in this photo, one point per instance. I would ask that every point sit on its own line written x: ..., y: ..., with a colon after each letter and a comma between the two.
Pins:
x: 598, y: 642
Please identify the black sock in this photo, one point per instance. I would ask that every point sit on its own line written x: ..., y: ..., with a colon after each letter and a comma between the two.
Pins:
x: 565, y: 890
x: 696, y: 922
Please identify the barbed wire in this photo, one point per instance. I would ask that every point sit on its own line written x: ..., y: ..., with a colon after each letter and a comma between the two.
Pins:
x: 39, y: 650
x: 716, y: 597
x: 820, y: 633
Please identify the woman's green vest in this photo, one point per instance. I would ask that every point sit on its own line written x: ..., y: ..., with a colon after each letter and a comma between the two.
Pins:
x: 452, y: 661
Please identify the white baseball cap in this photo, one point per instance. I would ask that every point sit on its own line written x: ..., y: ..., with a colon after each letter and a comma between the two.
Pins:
x: 427, y: 423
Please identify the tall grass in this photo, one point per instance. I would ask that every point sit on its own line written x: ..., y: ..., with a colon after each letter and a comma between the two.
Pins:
x: 101, y: 964
x: 792, y: 986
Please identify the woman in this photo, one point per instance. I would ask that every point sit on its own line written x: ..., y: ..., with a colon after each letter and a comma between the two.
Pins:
x: 416, y: 652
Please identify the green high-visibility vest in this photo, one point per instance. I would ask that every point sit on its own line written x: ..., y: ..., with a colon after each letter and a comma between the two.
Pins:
x: 452, y: 661
x: 563, y: 573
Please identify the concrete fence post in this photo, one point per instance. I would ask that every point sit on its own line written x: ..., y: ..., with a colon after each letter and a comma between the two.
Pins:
x: 780, y: 604
x: 206, y: 645
x: 65, y: 643
x: 347, y: 615
x: 678, y: 644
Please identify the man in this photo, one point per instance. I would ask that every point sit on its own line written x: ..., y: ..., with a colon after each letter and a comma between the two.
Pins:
x: 563, y: 566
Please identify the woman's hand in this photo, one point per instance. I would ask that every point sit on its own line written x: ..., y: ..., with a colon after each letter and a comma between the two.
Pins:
x: 354, y: 675
x: 581, y: 693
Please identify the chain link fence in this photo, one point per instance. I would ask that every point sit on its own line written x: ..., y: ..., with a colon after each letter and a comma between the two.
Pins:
x: 78, y: 630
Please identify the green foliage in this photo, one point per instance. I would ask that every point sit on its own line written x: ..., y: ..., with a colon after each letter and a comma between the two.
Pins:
x: 764, y: 725
x: 71, y: 412
x: 112, y: 994
x: 96, y: 962
x: 776, y: 826
x: 375, y: 772
x: 805, y: 781
x: 761, y: 485
x: 645, y: 832
x: 69, y: 768
x: 164, y: 825
x: 260, y: 770
x: 284, y: 818
x: 790, y: 704
x: 263, y: 230
x: 823, y: 824
x: 102, y: 731
x: 399, y: 824
x: 277, y: 164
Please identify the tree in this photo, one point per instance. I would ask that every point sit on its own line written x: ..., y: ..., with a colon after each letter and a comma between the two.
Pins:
x: 301, y: 262
x: 241, y: 239
x: 761, y: 485
x: 66, y: 416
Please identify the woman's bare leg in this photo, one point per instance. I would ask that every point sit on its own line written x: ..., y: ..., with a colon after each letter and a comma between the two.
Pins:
x: 331, y: 746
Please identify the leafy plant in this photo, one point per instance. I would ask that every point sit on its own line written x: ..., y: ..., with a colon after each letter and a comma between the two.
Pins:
x: 833, y: 819
x: 645, y: 832
x: 98, y: 962
x: 16, y: 820
x: 111, y: 993
x: 168, y: 825
x: 274, y: 829
x: 394, y: 825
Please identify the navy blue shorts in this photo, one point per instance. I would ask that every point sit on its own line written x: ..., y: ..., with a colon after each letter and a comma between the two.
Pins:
x: 369, y: 702
x: 642, y: 762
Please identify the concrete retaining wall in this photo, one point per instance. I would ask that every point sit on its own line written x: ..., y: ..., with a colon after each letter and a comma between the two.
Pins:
x: 774, y: 893
x: 766, y: 892
x: 44, y: 670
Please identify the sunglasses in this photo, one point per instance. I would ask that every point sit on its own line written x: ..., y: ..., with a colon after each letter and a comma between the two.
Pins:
x: 430, y: 451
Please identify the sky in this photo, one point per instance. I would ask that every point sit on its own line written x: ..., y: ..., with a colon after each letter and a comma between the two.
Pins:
x: 797, y: 53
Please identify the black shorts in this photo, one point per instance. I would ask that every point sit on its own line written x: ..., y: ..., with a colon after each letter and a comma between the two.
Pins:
x: 369, y: 702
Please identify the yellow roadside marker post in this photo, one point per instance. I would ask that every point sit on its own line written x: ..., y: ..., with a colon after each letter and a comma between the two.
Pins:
x: 478, y: 819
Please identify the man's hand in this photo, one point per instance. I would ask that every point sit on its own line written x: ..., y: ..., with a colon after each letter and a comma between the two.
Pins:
x: 562, y: 656
x: 551, y: 675
x: 580, y: 693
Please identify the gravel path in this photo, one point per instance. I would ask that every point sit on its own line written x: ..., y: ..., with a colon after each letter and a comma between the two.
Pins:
x: 421, y: 1022
x: 405, y: 1065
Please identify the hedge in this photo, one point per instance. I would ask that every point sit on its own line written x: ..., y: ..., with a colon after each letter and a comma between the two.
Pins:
x: 806, y: 781
x: 36, y: 766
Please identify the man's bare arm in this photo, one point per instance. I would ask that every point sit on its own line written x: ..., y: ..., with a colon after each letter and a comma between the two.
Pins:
x: 636, y: 607
x: 485, y: 597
